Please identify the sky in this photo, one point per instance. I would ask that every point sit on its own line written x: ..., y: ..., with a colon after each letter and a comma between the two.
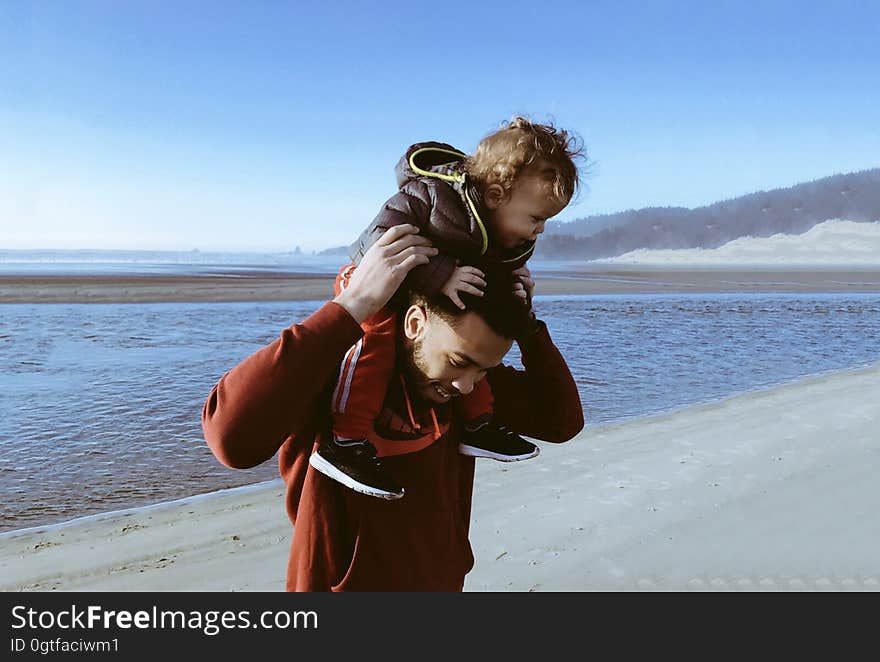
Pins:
x: 264, y: 126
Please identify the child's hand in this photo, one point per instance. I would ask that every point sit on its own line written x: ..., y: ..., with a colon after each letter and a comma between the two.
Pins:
x: 464, y: 279
x: 523, y: 285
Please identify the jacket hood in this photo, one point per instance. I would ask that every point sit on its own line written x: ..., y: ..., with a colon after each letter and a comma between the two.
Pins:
x: 430, y: 159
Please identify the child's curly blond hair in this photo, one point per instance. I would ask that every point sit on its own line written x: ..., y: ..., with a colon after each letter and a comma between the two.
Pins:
x: 521, y: 145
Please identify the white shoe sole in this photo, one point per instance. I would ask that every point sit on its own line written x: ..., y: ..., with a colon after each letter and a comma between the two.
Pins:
x: 473, y: 451
x: 322, y: 465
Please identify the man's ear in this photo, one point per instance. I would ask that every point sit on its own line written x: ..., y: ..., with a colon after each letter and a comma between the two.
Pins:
x: 493, y: 196
x: 414, y: 322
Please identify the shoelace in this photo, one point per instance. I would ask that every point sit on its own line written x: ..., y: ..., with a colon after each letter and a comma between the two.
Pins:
x: 503, y: 430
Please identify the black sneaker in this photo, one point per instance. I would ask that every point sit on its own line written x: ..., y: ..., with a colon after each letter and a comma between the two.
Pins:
x: 354, y: 464
x: 489, y: 439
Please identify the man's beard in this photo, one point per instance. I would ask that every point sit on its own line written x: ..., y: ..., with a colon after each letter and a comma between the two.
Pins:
x: 414, y: 368
x: 412, y: 359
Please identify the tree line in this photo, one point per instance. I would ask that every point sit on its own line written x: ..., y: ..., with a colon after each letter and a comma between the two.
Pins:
x: 794, y: 210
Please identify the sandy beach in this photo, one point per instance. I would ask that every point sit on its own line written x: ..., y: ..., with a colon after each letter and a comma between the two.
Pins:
x: 259, y: 286
x: 767, y: 490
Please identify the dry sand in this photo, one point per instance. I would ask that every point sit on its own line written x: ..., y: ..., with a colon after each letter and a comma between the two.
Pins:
x: 301, y: 287
x: 769, y: 490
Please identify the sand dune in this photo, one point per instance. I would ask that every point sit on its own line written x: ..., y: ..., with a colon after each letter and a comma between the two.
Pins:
x: 771, y: 490
x: 834, y: 242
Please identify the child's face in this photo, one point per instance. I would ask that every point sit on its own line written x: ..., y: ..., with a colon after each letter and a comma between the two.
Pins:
x: 520, y: 215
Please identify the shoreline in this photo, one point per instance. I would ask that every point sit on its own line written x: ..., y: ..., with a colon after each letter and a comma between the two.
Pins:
x: 748, y: 489
x: 268, y: 484
x: 134, y: 511
x: 589, y: 427
x: 258, y: 286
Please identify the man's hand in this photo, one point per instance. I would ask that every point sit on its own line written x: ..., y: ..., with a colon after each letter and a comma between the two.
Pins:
x: 464, y: 279
x: 523, y: 286
x: 383, y: 268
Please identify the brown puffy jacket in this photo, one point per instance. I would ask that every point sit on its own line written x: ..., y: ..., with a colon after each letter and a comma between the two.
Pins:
x: 436, y: 196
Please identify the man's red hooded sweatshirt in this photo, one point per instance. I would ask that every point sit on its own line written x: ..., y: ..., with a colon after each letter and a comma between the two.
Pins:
x: 277, y: 401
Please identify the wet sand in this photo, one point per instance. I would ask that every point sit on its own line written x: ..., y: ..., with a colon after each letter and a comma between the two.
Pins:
x: 302, y: 287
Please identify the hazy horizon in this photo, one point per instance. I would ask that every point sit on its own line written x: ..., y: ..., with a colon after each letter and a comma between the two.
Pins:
x: 292, y: 249
x: 833, y: 243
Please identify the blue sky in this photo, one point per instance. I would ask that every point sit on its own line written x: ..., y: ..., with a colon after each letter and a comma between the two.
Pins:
x: 262, y: 126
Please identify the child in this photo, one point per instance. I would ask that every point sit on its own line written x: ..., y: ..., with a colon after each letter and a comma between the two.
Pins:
x: 489, y: 206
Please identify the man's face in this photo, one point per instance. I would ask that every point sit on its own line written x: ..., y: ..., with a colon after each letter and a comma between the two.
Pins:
x: 446, y: 360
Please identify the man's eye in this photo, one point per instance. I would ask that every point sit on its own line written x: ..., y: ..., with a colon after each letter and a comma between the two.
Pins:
x: 455, y: 364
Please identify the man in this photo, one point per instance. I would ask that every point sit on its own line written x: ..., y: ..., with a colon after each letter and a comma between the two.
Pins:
x: 277, y: 400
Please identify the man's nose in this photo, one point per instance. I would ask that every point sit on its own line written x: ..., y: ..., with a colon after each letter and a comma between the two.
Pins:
x: 463, y: 385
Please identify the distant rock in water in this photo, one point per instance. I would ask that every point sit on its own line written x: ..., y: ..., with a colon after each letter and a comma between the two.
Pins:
x: 789, y: 211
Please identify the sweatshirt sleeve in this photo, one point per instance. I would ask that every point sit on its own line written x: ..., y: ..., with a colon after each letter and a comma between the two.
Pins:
x: 543, y: 401
x: 270, y: 395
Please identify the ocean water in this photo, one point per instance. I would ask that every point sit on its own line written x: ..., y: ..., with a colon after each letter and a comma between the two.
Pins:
x: 100, y: 404
x: 187, y: 263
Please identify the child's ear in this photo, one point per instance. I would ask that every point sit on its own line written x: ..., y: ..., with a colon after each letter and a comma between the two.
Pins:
x: 493, y: 196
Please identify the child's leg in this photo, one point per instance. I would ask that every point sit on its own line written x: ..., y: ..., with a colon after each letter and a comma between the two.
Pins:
x: 483, y: 436
x: 348, y: 457
x: 477, y: 406
x: 365, y: 372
